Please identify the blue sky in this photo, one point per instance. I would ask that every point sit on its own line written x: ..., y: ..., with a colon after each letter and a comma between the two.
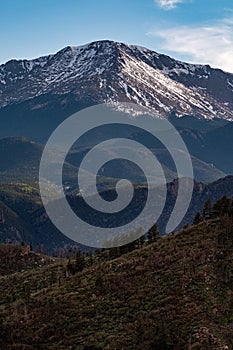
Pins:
x: 199, y: 31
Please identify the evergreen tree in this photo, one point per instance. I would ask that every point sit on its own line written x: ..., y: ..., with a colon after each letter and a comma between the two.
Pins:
x: 223, y: 207
x: 79, y: 262
x: 141, y: 241
x: 153, y: 233
x: 207, y: 210
x: 197, y: 219
x: 70, y: 267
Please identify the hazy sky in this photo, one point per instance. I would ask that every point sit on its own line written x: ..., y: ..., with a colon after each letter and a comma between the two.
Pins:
x: 199, y: 31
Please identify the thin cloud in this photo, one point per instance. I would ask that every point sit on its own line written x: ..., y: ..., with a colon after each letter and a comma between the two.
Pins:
x: 168, y: 4
x: 203, y: 44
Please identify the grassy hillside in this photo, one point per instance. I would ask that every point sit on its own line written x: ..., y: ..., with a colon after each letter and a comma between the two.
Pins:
x: 176, y: 293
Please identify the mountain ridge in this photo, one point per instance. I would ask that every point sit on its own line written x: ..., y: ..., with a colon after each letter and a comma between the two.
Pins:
x: 25, y: 218
x: 110, y: 71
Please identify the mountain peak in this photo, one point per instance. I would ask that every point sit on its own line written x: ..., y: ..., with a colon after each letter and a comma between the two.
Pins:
x: 112, y: 71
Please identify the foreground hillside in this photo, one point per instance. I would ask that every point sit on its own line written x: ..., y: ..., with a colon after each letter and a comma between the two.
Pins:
x: 15, y: 258
x: 176, y: 293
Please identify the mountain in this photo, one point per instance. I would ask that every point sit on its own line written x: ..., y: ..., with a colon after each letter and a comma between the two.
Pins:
x: 201, y: 194
x: 109, y: 71
x: 23, y: 218
x: 213, y: 146
x: 203, y: 171
x: 173, y: 294
x: 37, y: 95
x: 20, y: 159
x: 18, y: 203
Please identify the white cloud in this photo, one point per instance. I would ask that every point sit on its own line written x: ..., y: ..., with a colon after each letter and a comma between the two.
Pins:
x: 202, y: 44
x: 168, y: 4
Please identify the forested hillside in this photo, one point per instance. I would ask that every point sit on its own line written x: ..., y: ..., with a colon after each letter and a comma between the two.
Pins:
x: 173, y: 292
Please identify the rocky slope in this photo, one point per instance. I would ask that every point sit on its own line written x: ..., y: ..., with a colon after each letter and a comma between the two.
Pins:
x: 110, y: 71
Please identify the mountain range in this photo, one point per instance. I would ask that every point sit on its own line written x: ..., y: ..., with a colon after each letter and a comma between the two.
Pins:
x: 37, y: 95
x: 162, y: 292
x: 23, y: 218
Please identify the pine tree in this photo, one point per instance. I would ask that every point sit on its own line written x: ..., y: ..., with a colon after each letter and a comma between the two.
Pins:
x: 79, y: 262
x: 141, y: 241
x: 153, y: 233
x: 70, y: 268
x: 207, y: 210
x: 197, y: 219
x: 223, y: 206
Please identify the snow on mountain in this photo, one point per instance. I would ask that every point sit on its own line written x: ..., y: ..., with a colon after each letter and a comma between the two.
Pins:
x: 109, y: 71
